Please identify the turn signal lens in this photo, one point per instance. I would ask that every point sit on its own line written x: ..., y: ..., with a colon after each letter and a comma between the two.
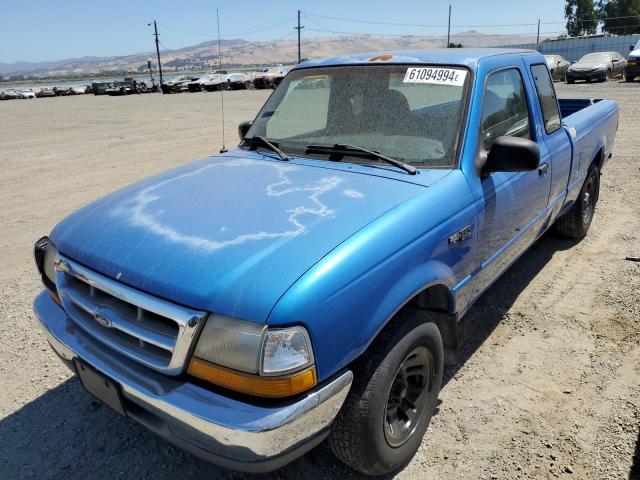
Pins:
x: 268, y: 387
x: 286, y: 350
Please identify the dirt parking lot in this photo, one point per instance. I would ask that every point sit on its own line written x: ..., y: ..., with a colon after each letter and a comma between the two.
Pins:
x: 549, y: 383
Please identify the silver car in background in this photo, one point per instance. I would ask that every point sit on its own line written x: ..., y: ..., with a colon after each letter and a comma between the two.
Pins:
x: 558, y: 66
x: 600, y: 66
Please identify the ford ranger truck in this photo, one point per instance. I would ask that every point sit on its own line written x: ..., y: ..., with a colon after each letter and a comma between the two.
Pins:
x: 311, y: 283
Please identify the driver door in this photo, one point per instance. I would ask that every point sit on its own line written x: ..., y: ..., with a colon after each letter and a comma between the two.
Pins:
x: 514, y: 203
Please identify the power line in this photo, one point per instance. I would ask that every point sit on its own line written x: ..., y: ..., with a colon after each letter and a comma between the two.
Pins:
x: 354, y: 20
x: 236, y: 34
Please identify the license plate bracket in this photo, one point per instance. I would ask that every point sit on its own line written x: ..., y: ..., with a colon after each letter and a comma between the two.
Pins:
x: 100, y: 386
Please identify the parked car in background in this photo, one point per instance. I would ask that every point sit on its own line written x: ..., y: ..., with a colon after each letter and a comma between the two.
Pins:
x: 45, y: 92
x: 558, y: 66
x: 9, y: 94
x: 178, y: 84
x: 269, y: 77
x: 80, y: 89
x: 240, y: 81
x: 100, y: 88
x: 27, y: 93
x: 62, y: 91
x: 120, y: 88
x: 600, y: 66
x: 312, y: 283
x: 209, y: 82
x: 632, y: 69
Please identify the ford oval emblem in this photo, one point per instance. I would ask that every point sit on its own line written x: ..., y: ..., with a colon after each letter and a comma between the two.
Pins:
x: 102, y: 319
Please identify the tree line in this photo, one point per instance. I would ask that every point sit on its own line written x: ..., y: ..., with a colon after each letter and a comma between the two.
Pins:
x: 618, y: 17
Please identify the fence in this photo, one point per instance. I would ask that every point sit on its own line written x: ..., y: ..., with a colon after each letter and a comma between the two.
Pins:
x: 574, y: 48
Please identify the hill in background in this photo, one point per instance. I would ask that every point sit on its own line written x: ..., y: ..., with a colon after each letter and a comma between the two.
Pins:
x: 242, y: 53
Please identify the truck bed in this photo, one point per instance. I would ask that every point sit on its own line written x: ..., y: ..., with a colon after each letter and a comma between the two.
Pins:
x: 569, y: 106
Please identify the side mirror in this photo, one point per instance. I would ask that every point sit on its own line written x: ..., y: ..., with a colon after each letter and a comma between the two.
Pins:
x: 511, y: 154
x: 243, y: 128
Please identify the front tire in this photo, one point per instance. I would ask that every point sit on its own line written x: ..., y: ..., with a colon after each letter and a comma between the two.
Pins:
x: 576, y: 222
x: 394, y: 394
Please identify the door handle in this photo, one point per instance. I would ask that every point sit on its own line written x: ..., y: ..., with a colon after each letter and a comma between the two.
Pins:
x: 542, y: 169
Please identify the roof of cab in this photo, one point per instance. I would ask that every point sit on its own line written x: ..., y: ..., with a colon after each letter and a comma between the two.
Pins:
x: 448, y: 56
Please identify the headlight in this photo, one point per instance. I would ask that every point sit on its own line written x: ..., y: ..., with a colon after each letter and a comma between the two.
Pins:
x: 231, y: 343
x: 45, y: 254
x: 253, y: 359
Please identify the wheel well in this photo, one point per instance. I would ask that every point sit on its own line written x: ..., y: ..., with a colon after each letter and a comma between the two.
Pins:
x: 437, y: 300
x: 598, y: 159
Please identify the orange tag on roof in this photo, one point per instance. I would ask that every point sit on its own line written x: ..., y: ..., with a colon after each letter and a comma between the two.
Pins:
x: 381, y: 58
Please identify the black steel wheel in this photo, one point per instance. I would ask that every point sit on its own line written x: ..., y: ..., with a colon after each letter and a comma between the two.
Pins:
x: 588, y: 199
x: 407, y: 396
x: 576, y: 222
x: 393, y: 396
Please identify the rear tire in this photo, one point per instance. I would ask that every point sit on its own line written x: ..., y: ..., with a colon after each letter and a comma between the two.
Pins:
x: 628, y: 78
x: 571, y: 81
x: 393, y: 396
x: 576, y: 222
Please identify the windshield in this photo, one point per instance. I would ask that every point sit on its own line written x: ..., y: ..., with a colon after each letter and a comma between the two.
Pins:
x: 409, y: 113
x: 596, y: 57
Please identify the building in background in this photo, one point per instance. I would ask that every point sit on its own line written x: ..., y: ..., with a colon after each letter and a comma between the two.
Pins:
x: 574, y: 48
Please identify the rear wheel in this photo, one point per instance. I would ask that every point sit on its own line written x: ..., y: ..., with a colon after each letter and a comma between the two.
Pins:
x: 571, y: 80
x: 576, y: 222
x: 628, y: 78
x: 392, y: 399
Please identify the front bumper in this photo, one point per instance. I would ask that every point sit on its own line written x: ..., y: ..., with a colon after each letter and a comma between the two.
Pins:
x: 231, y: 433
x: 593, y: 75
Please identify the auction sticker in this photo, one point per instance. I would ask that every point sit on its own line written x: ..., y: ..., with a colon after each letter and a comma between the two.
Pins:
x: 441, y: 76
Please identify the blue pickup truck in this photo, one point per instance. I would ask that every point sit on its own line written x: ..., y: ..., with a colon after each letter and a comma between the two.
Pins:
x: 311, y: 283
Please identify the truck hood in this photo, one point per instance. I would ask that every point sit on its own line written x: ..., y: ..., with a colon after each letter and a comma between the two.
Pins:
x: 226, y: 234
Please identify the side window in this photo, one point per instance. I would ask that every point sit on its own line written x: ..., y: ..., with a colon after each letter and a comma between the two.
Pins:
x: 505, y: 110
x: 547, y: 98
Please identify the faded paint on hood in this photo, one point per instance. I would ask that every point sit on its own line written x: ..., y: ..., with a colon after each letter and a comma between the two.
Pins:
x: 226, y: 234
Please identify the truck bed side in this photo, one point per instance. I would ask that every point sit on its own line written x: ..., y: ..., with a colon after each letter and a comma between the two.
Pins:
x: 591, y: 126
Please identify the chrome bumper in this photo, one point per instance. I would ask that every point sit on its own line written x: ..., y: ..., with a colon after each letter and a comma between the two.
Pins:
x: 232, y: 433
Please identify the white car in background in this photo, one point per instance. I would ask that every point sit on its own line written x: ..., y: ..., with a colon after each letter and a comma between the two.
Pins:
x: 239, y: 81
x: 27, y: 93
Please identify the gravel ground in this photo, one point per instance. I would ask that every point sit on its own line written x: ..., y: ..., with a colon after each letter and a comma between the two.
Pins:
x: 549, y: 382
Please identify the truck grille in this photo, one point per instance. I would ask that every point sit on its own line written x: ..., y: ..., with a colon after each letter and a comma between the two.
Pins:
x: 147, y: 329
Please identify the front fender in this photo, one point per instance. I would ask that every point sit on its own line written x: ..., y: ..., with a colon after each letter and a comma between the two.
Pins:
x: 350, y: 295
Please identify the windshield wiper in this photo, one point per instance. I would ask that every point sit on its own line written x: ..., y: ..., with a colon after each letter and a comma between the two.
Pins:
x: 269, y: 145
x: 346, y: 148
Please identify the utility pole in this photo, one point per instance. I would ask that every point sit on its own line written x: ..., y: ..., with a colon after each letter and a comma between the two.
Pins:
x: 449, y: 29
x: 299, y: 27
x: 538, y: 37
x: 155, y: 28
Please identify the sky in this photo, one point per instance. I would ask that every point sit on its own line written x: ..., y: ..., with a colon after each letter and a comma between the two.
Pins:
x: 43, y: 30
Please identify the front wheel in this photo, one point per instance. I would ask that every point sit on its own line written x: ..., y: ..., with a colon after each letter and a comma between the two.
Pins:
x: 394, y: 394
x: 576, y: 222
